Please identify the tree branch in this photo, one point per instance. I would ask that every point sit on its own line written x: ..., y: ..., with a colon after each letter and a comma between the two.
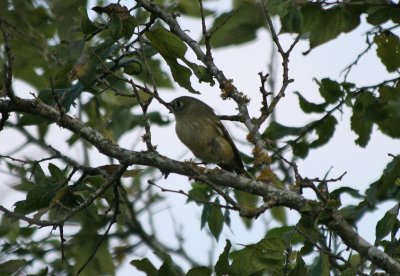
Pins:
x: 279, y: 197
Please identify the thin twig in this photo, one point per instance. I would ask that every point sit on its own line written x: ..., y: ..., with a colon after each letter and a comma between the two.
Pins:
x: 151, y: 182
x: 10, y: 61
x: 206, y: 34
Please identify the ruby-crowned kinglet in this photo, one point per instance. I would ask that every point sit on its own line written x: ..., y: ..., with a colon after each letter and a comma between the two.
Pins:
x: 202, y: 132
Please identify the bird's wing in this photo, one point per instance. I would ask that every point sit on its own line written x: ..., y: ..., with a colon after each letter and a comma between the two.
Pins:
x: 222, y: 130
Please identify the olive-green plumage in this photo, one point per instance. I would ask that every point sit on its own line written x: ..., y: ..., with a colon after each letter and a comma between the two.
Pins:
x: 202, y: 132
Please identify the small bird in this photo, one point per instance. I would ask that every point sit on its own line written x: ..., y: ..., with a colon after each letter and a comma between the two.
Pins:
x: 202, y: 132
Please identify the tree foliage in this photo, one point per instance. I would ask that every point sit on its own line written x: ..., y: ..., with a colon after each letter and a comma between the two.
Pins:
x: 96, y: 71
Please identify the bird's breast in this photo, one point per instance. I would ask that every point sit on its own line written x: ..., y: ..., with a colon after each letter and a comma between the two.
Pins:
x: 198, y: 136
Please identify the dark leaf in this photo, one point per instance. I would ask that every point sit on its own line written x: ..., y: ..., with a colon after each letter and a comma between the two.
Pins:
x: 330, y: 90
x: 321, y: 266
x: 215, y: 220
x: 171, y: 48
x: 326, y: 24
x: 335, y: 194
x: 325, y: 131
x: 292, y: 21
x: 300, y: 149
x: 222, y: 265
x: 389, y: 109
x: 87, y: 26
x: 386, y: 186
x: 300, y: 267
x: 387, y: 224
x: 309, y: 107
x: 237, y: 27
x: 377, y: 15
x: 267, y: 255
x: 200, y: 192
x: 10, y: 267
x: 168, y: 268
x: 199, y: 271
x: 388, y: 50
x: 277, y: 131
x: 115, y: 27
x: 56, y: 173
x: 146, y: 266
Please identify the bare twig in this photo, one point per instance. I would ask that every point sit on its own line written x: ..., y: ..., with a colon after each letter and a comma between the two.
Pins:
x: 10, y: 60
x: 151, y: 182
x: 206, y: 34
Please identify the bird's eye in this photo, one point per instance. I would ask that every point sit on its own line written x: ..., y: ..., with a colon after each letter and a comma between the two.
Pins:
x: 178, y: 104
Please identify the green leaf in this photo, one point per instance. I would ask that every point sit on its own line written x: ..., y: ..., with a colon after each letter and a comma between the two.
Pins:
x: 204, y: 215
x: 167, y: 43
x: 168, y: 268
x: 292, y: 21
x: 246, y: 200
x: 82, y: 246
x: 352, y: 213
x: 389, y: 108
x: 330, y: 90
x: 146, y: 266
x: 326, y: 24
x: 187, y: 7
x: 215, y: 220
x: 38, y: 173
x: 386, y: 184
x: 321, y: 266
x: 181, y: 74
x: 171, y: 48
x: 199, y: 271
x: 279, y: 214
x: 30, y: 119
x: 386, y: 225
x: 40, y: 195
x: 300, y: 267
x: 10, y: 267
x: 133, y: 68
x: 277, y: 131
x: 128, y: 26
x: 335, y: 194
x: 300, y: 149
x: 237, y: 27
x: 222, y: 266
x: 200, y: 192
x: 286, y: 233
x: 264, y: 256
x: 388, y: 50
x: 325, y: 131
x: 279, y: 7
x: 201, y: 72
x: 87, y: 26
x: 154, y: 71
x: 361, y: 122
x: 309, y: 107
x: 56, y: 173
x: 355, y: 263
x: 115, y: 27
x: 377, y: 15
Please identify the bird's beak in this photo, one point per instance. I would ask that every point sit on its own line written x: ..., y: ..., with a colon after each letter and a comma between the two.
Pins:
x: 169, y: 106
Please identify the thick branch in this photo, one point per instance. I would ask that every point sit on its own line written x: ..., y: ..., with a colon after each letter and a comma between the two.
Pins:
x: 270, y: 193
